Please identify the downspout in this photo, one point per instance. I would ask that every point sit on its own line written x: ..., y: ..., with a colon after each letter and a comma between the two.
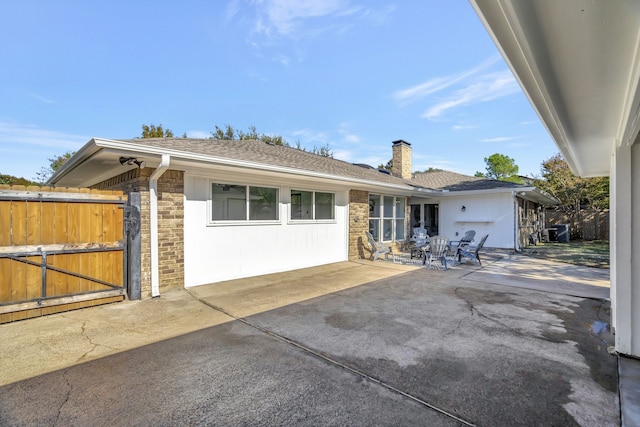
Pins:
x: 515, y: 222
x: 153, y: 222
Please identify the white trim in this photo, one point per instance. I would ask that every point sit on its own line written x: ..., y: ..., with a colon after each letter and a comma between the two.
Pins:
x: 293, y: 221
x: 629, y: 126
x: 239, y: 222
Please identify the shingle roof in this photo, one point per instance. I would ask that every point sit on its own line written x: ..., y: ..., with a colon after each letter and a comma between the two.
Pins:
x: 268, y: 154
x: 277, y: 155
x: 451, y: 181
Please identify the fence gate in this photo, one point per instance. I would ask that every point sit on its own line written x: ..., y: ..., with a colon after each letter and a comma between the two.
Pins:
x: 60, y: 249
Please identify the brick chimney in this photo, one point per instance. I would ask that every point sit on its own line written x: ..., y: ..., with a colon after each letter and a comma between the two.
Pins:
x: 401, y: 159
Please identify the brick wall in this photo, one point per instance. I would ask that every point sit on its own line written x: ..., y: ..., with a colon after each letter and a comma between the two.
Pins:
x: 170, y: 224
x: 171, y: 229
x: 358, y: 208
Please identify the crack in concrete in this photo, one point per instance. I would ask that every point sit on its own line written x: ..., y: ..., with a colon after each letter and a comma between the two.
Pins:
x: 473, y: 309
x: 66, y: 397
x: 469, y: 306
x: 469, y: 303
x: 86, y: 336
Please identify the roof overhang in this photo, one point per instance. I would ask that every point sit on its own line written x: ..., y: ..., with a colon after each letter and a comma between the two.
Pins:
x: 578, y: 62
x: 531, y: 193
x: 98, y: 160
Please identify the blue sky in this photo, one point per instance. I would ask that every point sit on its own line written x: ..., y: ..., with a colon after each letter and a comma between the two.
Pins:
x: 349, y: 74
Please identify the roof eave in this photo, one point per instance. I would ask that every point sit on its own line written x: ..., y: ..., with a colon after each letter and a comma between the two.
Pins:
x: 578, y: 63
x: 131, y: 148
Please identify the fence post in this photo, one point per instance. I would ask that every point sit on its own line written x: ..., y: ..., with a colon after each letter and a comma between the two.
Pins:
x: 43, y: 293
x: 133, y: 252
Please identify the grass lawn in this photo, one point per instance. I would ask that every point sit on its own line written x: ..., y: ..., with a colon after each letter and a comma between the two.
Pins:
x: 588, y: 253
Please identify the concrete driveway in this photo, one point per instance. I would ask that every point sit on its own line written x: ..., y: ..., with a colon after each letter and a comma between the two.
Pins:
x: 347, y: 344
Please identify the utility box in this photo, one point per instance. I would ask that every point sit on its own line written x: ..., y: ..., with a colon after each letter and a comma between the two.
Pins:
x: 562, y: 231
x: 551, y: 234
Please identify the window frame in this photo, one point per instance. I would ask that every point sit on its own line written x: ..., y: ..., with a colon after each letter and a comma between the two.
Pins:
x: 247, y: 205
x: 385, y: 218
x: 313, y: 219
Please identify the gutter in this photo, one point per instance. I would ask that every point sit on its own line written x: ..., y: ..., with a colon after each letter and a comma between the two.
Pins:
x: 206, y: 159
x: 84, y: 153
x: 153, y: 221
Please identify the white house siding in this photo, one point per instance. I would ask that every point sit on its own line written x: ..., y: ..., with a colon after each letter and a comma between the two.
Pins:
x: 215, y: 253
x: 491, y: 214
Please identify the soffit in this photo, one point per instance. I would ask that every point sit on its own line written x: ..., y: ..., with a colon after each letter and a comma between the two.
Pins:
x: 578, y: 63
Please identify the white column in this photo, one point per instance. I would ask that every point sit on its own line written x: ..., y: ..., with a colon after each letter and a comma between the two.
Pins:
x: 625, y: 248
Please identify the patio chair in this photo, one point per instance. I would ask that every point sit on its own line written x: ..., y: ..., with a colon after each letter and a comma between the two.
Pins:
x: 418, y: 240
x: 419, y: 235
x: 472, y: 253
x: 463, y: 244
x: 377, y: 248
x: 436, y: 255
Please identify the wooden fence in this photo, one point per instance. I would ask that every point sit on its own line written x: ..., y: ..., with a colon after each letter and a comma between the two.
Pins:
x: 585, y: 225
x: 60, y: 249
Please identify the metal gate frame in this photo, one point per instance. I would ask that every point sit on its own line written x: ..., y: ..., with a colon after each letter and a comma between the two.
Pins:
x: 131, y: 222
x: 45, y: 301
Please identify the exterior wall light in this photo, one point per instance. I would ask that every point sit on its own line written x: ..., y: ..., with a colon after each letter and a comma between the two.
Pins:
x: 132, y: 161
x: 463, y: 208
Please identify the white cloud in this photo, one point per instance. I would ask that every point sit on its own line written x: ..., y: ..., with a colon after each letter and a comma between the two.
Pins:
x: 287, y: 17
x: 485, y: 88
x: 198, y: 134
x: 498, y: 139
x: 463, y: 127
x: 380, y: 16
x: 42, y: 99
x: 324, y: 137
x: 27, y: 148
x: 438, y: 84
x: 351, y: 138
x: 308, y: 135
x: 274, y: 23
x: 14, y: 134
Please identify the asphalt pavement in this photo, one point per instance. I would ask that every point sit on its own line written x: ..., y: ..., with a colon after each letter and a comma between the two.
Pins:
x: 347, y: 344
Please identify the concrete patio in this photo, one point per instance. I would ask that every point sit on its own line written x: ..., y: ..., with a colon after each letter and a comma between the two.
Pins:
x: 516, y: 342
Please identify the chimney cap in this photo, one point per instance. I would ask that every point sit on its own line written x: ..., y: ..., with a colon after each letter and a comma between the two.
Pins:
x: 400, y: 141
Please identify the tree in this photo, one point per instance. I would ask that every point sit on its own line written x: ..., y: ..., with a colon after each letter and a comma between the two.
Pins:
x: 231, y: 134
x: 153, y: 131
x: 14, y: 180
x: 501, y: 167
x: 573, y: 192
x: 228, y: 133
x: 323, y: 151
x: 430, y: 169
x: 388, y: 166
x: 55, y: 163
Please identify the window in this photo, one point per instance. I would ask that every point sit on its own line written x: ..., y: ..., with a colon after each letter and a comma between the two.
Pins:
x: 387, y: 217
x: 312, y: 205
x: 243, y: 203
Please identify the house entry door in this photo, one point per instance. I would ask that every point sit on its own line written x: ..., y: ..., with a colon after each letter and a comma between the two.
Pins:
x: 425, y: 215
